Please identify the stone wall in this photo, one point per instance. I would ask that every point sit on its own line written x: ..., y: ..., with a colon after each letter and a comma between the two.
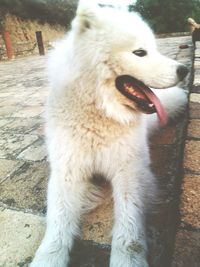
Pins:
x: 22, y: 33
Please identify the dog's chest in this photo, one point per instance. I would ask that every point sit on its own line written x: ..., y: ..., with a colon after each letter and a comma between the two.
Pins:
x: 96, y: 130
x: 87, y: 127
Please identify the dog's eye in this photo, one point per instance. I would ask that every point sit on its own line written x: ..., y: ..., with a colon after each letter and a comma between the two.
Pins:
x: 140, y: 53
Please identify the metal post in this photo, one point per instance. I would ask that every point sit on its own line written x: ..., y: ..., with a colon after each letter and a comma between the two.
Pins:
x: 9, y: 49
x: 40, y: 43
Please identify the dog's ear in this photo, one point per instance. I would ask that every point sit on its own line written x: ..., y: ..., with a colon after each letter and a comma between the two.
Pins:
x: 86, y: 15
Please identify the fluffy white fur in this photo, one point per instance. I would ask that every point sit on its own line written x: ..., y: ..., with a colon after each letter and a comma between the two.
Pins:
x: 91, y: 130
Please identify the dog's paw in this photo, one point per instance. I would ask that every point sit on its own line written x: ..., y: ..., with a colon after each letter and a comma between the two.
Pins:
x: 51, y: 259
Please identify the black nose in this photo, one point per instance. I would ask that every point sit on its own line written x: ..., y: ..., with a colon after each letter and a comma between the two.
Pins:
x: 182, y: 71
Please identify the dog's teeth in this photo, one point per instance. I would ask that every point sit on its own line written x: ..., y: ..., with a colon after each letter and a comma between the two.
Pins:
x: 133, y: 92
x: 137, y: 95
x: 151, y: 105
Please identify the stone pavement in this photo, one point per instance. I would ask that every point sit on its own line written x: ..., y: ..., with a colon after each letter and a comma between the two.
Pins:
x: 187, y: 245
x: 24, y: 172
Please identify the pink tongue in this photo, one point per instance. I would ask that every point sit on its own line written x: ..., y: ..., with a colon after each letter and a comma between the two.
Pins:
x: 162, y: 115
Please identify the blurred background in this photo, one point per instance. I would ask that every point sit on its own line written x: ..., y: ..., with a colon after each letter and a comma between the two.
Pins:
x: 164, y: 16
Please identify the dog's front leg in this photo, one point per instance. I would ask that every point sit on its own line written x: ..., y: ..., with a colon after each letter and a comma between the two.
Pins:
x: 129, y: 243
x: 65, y: 205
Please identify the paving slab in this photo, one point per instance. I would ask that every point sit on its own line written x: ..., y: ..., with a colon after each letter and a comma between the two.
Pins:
x: 20, y: 234
x: 26, y: 189
x: 192, y: 156
x: 187, y: 249
x: 194, y: 110
x: 35, y: 152
x: 3, y: 122
x: 29, y: 111
x: 20, y: 125
x: 12, y: 144
x: 190, y: 204
x: 193, y: 129
x: 195, y: 98
x: 8, y: 167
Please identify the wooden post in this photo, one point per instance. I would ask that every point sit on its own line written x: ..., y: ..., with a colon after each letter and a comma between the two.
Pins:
x: 9, y: 49
x: 40, y: 43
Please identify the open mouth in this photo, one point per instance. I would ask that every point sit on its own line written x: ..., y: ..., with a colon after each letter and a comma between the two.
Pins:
x: 145, y: 99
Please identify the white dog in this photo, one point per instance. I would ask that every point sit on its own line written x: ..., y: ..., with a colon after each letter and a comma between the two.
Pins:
x: 97, y: 123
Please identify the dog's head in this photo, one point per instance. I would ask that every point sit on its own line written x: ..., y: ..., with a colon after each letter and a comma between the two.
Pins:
x: 116, y: 43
